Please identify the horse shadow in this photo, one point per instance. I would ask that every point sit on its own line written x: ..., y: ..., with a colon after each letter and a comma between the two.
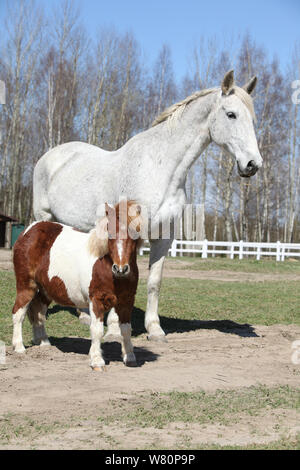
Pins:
x: 178, y: 325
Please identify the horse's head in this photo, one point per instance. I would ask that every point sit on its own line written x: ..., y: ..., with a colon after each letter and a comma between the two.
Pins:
x: 124, y: 228
x: 231, y: 124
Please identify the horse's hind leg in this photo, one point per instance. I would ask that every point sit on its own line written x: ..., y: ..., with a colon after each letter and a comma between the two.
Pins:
x: 20, y: 308
x: 37, y: 315
x: 113, y: 328
x: 84, y: 316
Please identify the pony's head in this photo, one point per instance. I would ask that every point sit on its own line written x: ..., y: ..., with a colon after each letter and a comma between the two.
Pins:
x: 121, y: 229
x: 231, y: 124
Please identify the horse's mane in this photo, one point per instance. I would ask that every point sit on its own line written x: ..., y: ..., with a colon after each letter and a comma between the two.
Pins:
x: 176, y: 110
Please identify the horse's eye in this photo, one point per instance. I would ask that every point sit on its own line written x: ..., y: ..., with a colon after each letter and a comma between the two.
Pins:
x: 231, y: 115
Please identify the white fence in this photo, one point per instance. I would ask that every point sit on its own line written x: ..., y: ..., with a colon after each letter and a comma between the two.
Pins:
x: 231, y: 249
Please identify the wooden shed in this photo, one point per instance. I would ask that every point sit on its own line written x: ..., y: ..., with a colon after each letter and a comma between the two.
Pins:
x: 5, y: 230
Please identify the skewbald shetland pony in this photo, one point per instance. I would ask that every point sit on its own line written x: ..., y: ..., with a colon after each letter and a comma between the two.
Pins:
x: 72, y: 181
x: 54, y: 262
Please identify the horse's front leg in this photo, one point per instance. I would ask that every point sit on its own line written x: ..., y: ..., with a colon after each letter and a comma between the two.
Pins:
x: 158, y: 251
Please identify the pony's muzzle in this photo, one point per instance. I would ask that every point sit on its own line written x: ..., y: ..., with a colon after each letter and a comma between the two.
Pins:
x: 120, y: 271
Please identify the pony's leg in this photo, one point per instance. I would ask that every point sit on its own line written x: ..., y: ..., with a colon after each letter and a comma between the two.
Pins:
x: 158, y: 251
x: 37, y: 315
x: 97, y: 330
x: 19, y: 311
x: 113, y: 328
x: 127, y: 347
x: 124, y: 314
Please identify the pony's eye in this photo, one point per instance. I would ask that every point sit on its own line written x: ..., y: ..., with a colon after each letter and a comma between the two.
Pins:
x: 231, y: 115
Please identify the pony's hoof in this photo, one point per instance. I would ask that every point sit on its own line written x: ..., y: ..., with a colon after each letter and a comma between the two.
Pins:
x: 19, y: 350
x: 99, y: 369
x: 157, y: 338
x: 111, y: 338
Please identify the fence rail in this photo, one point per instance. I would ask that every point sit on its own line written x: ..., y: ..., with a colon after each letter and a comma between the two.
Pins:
x: 231, y: 249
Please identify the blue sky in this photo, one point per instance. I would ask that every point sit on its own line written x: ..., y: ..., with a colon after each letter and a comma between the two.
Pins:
x: 274, y: 24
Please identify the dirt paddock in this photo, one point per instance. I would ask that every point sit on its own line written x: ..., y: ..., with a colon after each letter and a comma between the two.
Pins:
x: 51, y: 399
x: 54, y: 387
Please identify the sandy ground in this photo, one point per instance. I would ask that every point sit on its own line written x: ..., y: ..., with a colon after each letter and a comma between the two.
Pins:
x: 55, y: 384
x: 51, y: 399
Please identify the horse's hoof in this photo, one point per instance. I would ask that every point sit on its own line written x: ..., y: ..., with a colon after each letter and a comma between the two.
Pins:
x: 157, y: 338
x: 112, y: 338
x: 131, y: 364
x: 45, y: 343
x: 99, y: 369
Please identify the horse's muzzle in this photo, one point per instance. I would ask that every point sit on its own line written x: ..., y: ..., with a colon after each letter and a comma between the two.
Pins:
x: 249, y: 170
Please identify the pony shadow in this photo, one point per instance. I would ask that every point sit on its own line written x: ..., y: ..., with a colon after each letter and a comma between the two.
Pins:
x: 111, y: 351
x: 177, y: 325
x: 58, y: 308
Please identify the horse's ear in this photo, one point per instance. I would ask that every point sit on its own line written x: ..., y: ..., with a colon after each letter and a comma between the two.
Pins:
x: 228, y: 82
x: 249, y: 86
x: 102, y: 228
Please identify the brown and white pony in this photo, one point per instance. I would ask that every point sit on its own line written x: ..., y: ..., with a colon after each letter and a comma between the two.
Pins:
x: 54, y: 262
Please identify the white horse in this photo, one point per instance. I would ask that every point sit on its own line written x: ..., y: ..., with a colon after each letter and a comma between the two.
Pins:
x: 72, y: 181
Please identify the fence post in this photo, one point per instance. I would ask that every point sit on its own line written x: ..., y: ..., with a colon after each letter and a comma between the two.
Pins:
x: 278, y: 251
x: 173, y: 248
x: 232, y: 251
x: 141, y: 251
x: 282, y: 253
x: 204, y: 249
x: 258, y: 253
x: 241, y: 250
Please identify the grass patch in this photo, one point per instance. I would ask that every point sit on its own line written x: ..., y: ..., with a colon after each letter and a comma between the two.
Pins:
x: 13, y: 426
x: 223, y: 406
x: 285, y: 443
x: 244, y: 265
x: 181, y: 302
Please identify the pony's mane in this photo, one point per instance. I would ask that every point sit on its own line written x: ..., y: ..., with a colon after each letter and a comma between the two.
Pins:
x: 99, y: 246
x: 176, y: 110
